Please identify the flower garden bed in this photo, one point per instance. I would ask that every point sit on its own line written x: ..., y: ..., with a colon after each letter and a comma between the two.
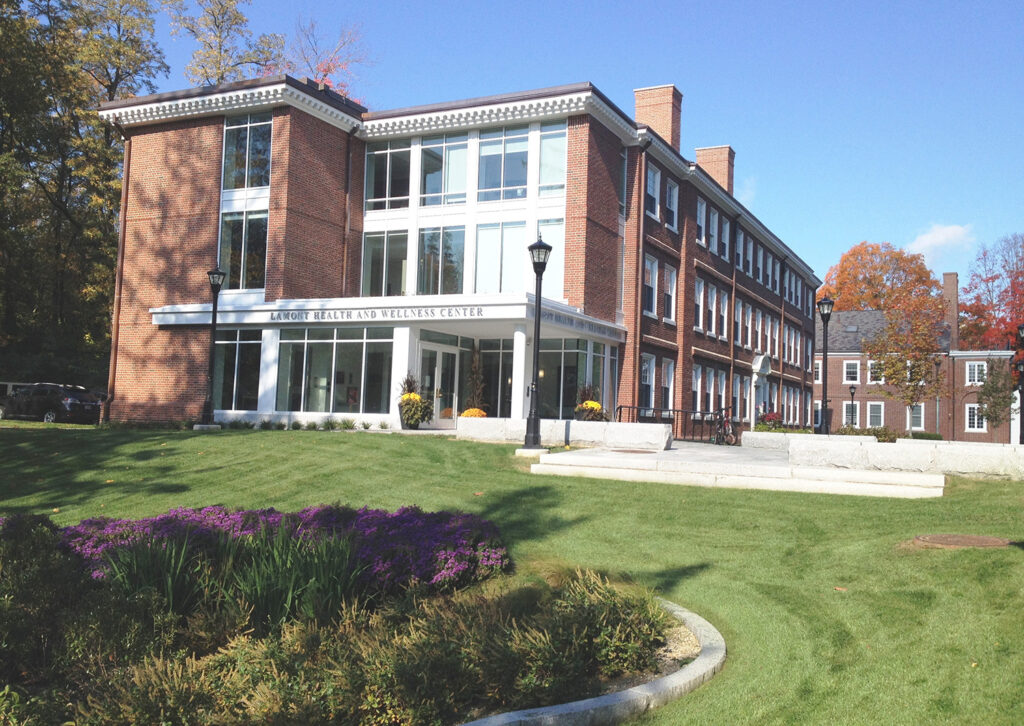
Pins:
x: 327, y: 615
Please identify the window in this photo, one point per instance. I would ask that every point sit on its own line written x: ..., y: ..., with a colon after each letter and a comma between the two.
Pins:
x: 503, y: 159
x: 671, y: 204
x: 736, y: 396
x: 737, y: 323
x: 851, y: 371
x: 670, y: 293
x: 875, y: 372
x: 776, y: 277
x: 851, y: 414
x: 236, y: 370
x: 748, y: 261
x: 647, y: 302
x: 646, y: 382
x: 760, y: 264
x: 817, y: 414
x: 709, y: 386
x: 247, y: 151
x: 915, y: 417
x: 501, y: 262
x: 749, y: 326
x: 552, y: 158
x: 441, y: 261
x: 668, y: 375
x: 712, y: 309
x: 713, y: 232
x: 977, y: 372
x: 338, y: 370
x: 387, y: 175
x: 975, y: 421
x: 766, y: 275
x: 745, y: 399
x: 243, y: 249
x: 698, y: 304
x: 817, y: 371
x: 723, y: 314
x: 702, y: 216
x: 444, y: 160
x: 653, y: 190
x: 384, y: 263
x: 551, y: 231
x: 723, y: 246
x: 757, y: 331
x: 698, y: 380
x: 876, y: 414
x: 739, y: 248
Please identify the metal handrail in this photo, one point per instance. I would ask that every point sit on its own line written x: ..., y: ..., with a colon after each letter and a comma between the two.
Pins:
x: 687, y: 424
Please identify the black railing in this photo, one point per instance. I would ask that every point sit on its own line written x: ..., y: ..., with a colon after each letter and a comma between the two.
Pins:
x: 706, y: 426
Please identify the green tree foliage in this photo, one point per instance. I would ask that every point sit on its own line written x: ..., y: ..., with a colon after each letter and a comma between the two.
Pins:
x: 227, y: 50
x: 996, y: 394
x: 60, y: 177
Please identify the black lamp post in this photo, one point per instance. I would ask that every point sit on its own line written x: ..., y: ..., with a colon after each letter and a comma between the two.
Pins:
x: 853, y: 409
x: 216, y: 276
x: 539, y: 253
x: 825, y: 306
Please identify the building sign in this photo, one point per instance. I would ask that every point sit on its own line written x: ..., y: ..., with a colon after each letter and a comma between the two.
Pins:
x: 584, y: 325
x: 447, y: 312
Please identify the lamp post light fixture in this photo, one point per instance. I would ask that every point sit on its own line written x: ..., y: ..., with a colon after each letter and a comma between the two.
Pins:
x: 853, y: 408
x: 539, y: 253
x: 216, y: 276
x: 825, y: 306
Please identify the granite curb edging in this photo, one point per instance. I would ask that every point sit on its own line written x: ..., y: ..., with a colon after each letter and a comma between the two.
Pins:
x: 614, y: 708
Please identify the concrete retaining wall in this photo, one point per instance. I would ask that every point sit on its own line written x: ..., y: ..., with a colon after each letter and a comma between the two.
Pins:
x: 610, y: 435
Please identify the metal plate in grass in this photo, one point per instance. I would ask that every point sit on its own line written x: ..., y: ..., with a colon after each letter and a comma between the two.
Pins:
x: 958, y: 541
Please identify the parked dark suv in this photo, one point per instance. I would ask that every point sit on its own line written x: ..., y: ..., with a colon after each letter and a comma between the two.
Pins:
x: 51, y: 402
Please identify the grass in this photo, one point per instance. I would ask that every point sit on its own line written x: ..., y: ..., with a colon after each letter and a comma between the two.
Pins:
x: 912, y: 636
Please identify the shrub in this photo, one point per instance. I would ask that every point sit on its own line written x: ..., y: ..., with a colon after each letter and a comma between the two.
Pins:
x: 383, y: 425
x: 591, y: 410
x: 295, y: 425
x: 473, y: 413
x: 883, y: 433
x: 264, y: 424
x: 771, y: 421
x: 348, y: 424
x: 365, y: 425
x: 412, y: 407
x: 925, y: 435
x: 311, y: 426
x: 331, y: 424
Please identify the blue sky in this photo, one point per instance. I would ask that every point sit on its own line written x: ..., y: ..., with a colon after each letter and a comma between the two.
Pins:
x: 898, y: 122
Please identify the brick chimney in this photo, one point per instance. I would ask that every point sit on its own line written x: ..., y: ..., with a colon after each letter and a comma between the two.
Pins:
x: 951, y: 294
x: 659, y: 107
x: 718, y: 162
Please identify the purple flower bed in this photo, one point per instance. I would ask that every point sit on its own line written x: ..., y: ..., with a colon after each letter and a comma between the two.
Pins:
x: 397, y: 549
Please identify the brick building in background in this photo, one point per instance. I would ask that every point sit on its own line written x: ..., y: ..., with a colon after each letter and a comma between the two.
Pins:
x: 954, y: 414
x: 360, y: 246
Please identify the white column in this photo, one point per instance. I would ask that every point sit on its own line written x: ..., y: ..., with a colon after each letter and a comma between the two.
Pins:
x: 1015, y: 418
x: 522, y: 370
x: 270, y: 351
x: 402, y: 357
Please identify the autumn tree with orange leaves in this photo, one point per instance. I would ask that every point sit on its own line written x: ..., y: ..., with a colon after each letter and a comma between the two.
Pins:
x: 992, y: 305
x: 880, y: 277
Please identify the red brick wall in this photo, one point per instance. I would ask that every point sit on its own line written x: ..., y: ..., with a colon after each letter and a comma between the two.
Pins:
x: 660, y: 108
x: 718, y: 162
x: 170, y: 243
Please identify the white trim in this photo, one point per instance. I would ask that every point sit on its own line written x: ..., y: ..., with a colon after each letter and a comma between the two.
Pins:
x: 977, y: 415
x: 910, y: 419
x: 230, y: 102
x: 881, y: 405
x: 851, y: 380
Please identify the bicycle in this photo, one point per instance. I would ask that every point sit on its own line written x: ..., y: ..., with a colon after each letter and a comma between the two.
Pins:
x: 724, y: 433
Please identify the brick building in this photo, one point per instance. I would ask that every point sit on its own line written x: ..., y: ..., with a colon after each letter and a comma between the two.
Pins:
x: 361, y: 245
x: 954, y: 413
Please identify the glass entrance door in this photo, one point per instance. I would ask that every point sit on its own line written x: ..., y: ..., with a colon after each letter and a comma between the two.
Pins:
x: 438, y: 378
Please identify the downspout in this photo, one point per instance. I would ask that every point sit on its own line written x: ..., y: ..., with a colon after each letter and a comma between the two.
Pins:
x: 119, y: 274
x: 640, y: 273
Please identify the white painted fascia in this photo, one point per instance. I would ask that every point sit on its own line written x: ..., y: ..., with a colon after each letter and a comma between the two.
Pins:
x: 218, y: 104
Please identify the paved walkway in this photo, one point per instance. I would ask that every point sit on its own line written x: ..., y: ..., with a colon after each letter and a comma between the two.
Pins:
x: 735, y: 467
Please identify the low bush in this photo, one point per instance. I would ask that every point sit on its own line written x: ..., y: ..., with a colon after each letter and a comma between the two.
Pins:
x: 925, y: 435
x: 348, y: 424
x: 884, y: 434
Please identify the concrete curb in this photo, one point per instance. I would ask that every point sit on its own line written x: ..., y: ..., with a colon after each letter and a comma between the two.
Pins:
x: 614, y: 708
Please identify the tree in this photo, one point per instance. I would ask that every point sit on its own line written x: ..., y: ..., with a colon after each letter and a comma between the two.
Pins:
x: 322, y: 60
x: 995, y: 396
x: 869, y: 275
x: 227, y: 51
x: 993, y: 299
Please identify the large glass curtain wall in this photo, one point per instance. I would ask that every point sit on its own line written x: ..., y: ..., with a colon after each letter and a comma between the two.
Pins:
x: 565, y: 366
x: 443, y: 169
x: 336, y: 370
x: 247, y: 151
x: 384, y: 263
x: 387, y: 174
x: 441, y: 260
x: 243, y: 249
x: 236, y: 370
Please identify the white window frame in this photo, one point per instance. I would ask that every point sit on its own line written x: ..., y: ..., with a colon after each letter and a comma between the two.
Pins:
x: 973, y: 368
x: 758, y: 329
x: 817, y: 413
x: 722, y: 376
x: 653, y: 181
x: 668, y: 373
x: 698, y: 304
x: 855, y: 407
x: 739, y: 248
x: 973, y: 416
x: 736, y: 396
x: 749, y: 312
x: 712, y: 231
x: 671, y: 278
x: 878, y: 406
x: 817, y: 371
x: 672, y: 205
x: 712, y: 311
x: 723, y: 245
x: 846, y: 377
x: 871, y: 379
x: 696, y: 382
x: 650, y: 265
x: 910, y: 417
x: 647, y: 379
x: 737, y: 322
x: 702, y: 218
x: 723, y: 313
x: 748, y: 262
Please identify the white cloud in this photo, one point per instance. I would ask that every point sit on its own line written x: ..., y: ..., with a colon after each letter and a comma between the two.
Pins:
x: 946, y: 247
x: 746, y: 190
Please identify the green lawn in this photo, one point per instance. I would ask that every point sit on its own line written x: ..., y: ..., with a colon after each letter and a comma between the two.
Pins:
x: 914, y: 636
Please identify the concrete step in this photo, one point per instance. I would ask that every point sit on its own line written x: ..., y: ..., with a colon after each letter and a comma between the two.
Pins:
x: 763, y: 475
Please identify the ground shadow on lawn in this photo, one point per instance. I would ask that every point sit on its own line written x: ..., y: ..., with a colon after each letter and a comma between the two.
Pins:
x: 528, y: 513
